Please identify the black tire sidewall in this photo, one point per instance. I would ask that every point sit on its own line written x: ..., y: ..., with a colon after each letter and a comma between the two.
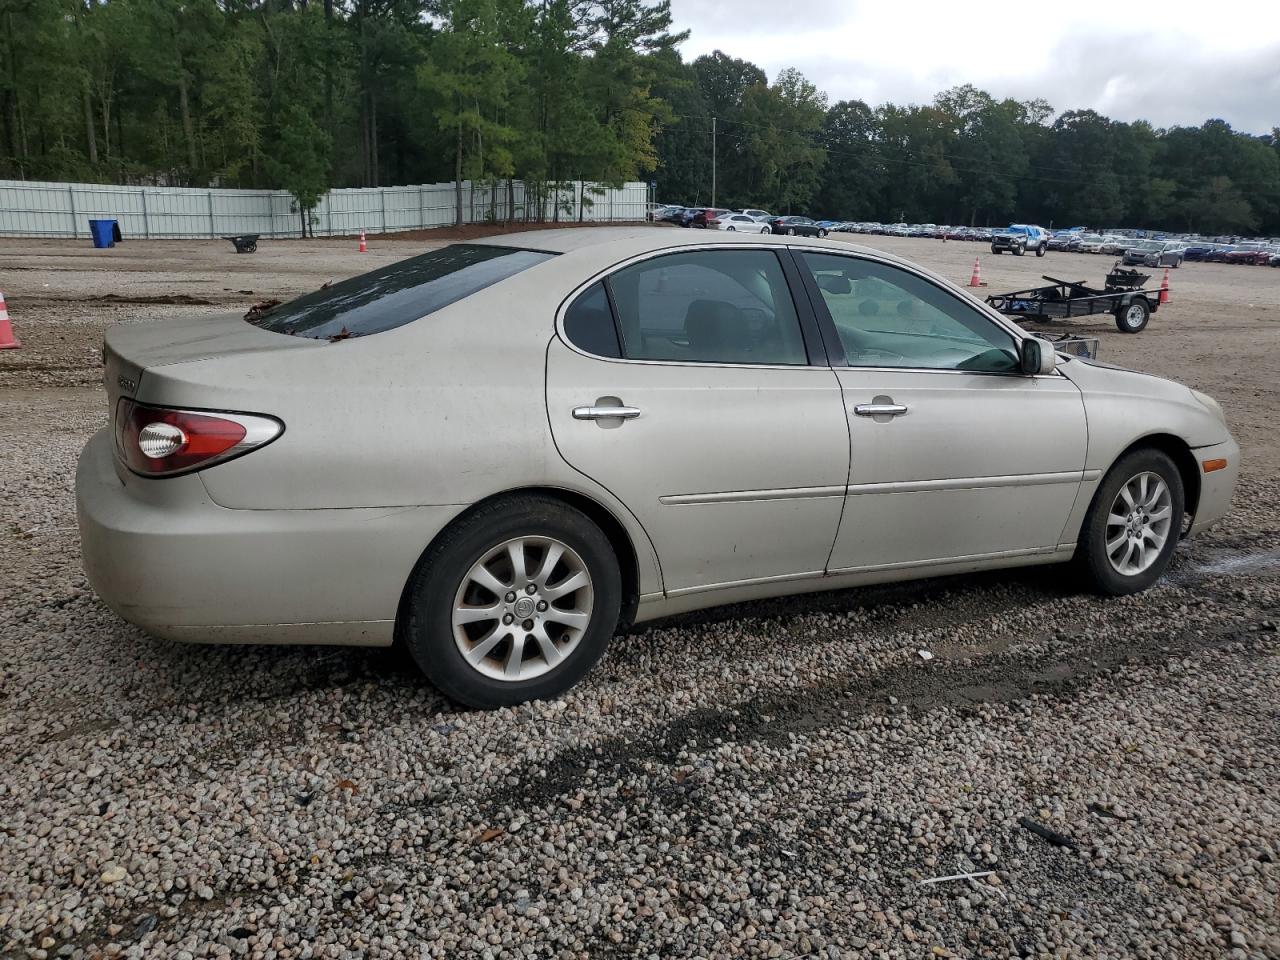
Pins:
x: 1123, y: 324
x: 1091, y: 553
x: 428, y: 633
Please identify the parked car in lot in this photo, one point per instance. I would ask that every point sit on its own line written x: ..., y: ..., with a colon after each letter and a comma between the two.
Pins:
x: 702, y: 218
x: 1091, y: 243
x: 674, y: 214
x: 738, y: 222
x: 1155, y: 253
x: 1251, y: 253
x: 1018, y: 238
x: 757, y: 214
x: 341, y: 468
x: 797, y: 227
x: 1116, y: 246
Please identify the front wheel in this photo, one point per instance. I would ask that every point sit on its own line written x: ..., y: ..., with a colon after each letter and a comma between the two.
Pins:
x: 515, y: 602
x: 996, y: 250
x: 1134, y: 317
x: 1019, y: 251
x: 1133, y: 525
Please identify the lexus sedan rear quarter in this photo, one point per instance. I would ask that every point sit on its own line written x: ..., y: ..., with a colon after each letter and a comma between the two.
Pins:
x: 498, y: 452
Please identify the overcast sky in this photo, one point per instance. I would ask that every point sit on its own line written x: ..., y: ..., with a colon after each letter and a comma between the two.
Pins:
x: 1173, y: 62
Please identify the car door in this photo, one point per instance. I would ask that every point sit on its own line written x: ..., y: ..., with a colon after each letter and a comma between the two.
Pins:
x: 954, y: 453
x: 693, y: 387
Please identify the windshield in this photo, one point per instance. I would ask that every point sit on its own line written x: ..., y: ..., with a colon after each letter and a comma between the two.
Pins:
x: 397, y: 294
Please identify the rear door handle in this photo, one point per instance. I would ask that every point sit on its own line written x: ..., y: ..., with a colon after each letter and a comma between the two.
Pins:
x: 880, y: 409
x: 605, y: 413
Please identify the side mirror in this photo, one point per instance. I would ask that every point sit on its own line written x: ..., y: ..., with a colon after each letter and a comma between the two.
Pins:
x: 1036, y: 356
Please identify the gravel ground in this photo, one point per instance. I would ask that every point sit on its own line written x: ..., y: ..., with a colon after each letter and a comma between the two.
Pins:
x: 768, y: 780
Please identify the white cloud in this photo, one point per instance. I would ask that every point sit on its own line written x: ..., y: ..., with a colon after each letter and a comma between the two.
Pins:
x: 1179, y: 63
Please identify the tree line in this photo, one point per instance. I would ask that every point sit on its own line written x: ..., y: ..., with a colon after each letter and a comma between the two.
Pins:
x: 308, y: 96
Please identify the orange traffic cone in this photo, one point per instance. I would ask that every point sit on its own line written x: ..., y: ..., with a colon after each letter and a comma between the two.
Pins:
x: 364, y: 247
x: 7, y: 340
x: 1164, y: 287
x: 975, y: 280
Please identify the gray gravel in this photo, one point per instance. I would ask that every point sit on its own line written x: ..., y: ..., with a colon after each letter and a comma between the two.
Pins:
x: 770, y: 780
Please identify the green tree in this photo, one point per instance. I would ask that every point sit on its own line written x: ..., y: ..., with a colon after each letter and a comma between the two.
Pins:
x: 301, y: 165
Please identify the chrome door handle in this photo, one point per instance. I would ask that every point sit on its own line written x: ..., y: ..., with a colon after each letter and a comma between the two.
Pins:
x: 879, y: 409
x: 605, y: 413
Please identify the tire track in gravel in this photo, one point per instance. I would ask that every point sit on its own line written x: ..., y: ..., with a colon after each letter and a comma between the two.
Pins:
x: 917, y: 687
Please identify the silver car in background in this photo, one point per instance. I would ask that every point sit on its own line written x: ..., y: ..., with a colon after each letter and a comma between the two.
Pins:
x: 499, y: 452
x: 1156, y: 253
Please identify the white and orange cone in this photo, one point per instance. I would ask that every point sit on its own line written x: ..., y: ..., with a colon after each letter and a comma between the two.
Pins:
x: 975, y: 279
x: 7, y: 340
x: 364, y: 247
x: 1164, y: 287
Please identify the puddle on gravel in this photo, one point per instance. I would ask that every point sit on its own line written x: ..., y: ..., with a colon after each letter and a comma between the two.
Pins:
x: 1228, y: 563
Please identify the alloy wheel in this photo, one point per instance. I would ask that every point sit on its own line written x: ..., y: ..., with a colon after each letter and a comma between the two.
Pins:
x: 1138, y: 524
x: 522, y: 608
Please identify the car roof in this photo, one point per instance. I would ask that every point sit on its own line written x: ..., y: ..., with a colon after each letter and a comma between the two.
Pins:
x: 604, y: 246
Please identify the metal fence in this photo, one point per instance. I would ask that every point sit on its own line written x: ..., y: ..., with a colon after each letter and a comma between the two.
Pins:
x: 34, y: 209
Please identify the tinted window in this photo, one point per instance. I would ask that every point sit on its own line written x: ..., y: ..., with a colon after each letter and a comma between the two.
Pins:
x: 887, y: 317
x: 588, y: 323
x: 398, y: 294
x: 708, y: 306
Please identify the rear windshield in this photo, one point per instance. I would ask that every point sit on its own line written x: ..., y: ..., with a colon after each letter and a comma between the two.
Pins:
x: 394, y: 295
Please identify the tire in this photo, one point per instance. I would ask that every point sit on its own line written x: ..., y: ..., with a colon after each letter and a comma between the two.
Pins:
x: 443, y: 581
x: 791, y: 231
x: 731, y: 230
x: 1134, y: 317
x: 996, y: 250
x: 1040, y: 250
x: 1093, y: 559
x: 821, y: 234
x: 766, y: 231
x: 1019, y: 250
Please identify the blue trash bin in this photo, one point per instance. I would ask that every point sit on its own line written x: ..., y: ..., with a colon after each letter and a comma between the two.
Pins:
x: 103, y: 232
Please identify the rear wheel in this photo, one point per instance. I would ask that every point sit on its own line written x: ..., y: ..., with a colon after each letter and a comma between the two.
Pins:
x: 1040, y: 250
x: 515, y: 602
x: 1134, y: 317
x: 1133, y: 526
x: 732, y: 229
x: 791, y: 231
x: 821, y: 234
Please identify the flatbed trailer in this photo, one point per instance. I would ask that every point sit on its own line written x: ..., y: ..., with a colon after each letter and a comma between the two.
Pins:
x: 1124, y: 298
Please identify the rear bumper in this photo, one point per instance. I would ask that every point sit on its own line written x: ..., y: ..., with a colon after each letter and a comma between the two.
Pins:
x: 1216, y: 487
x: 163, y: 556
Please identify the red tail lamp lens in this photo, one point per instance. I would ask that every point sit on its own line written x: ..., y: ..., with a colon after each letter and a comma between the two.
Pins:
x: 160, y: 441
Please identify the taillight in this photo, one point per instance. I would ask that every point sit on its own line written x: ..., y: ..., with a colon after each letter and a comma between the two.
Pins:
x: 163, y: 442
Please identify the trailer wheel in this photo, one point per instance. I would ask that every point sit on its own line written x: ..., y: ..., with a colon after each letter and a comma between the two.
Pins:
x: 1134, y: 317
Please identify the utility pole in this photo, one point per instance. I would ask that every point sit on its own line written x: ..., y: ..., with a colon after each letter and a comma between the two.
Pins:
x: 713, y: 161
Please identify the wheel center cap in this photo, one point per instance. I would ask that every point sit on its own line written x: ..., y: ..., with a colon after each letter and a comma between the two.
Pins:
x: 524, y: 607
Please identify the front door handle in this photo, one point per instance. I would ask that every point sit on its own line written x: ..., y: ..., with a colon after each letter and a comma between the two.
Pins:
x: 880, y: 409
x: 605, y: 413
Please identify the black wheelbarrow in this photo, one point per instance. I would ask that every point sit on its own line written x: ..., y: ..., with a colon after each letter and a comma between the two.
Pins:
x: 245, y: 244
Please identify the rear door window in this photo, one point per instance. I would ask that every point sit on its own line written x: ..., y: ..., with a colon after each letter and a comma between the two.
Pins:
x: 397, y: 294
x: 708, y: 306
